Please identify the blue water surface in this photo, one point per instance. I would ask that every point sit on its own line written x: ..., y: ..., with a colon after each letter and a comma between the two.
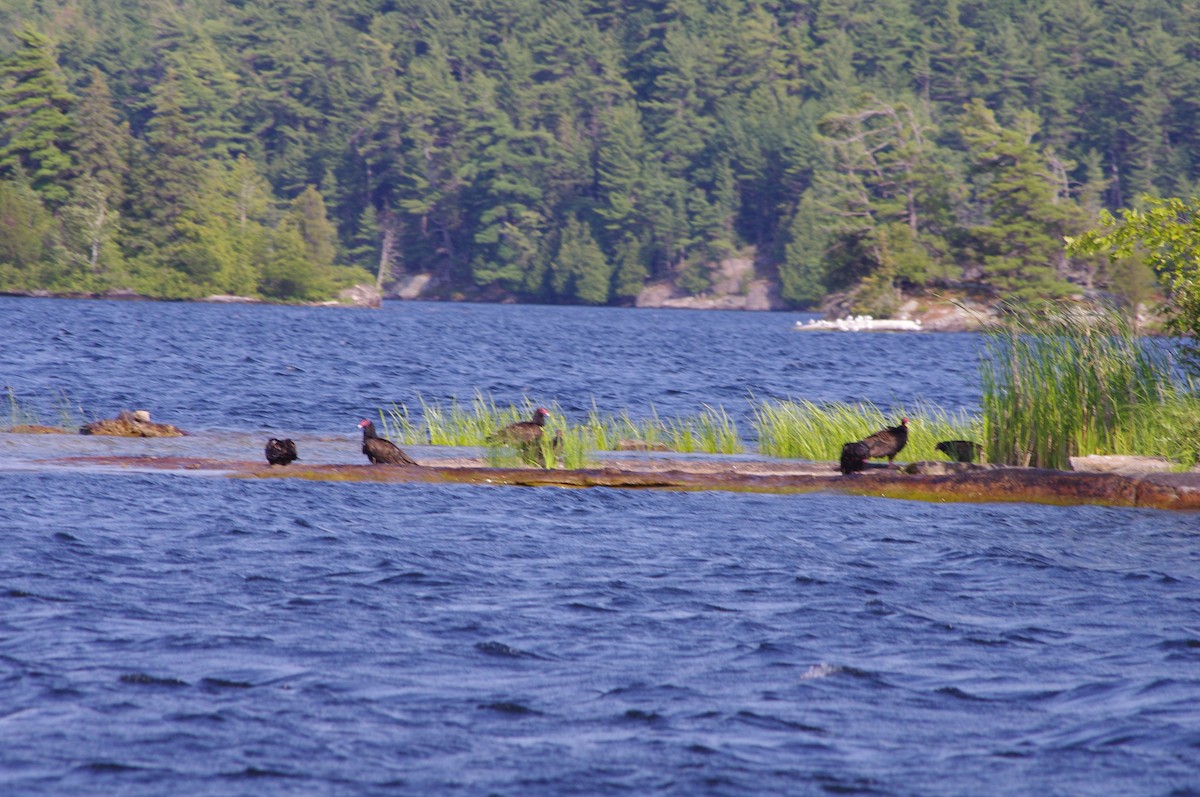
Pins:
x: 212, y: 366
x: 189, y: 634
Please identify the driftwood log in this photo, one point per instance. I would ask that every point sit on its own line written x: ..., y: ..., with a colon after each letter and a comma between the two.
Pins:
x: 937, y: 483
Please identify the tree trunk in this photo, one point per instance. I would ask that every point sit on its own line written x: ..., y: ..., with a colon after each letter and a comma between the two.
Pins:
x: 387, y: 248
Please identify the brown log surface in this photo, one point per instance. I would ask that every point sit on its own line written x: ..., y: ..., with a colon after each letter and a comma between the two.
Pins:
x: 1178, y: 491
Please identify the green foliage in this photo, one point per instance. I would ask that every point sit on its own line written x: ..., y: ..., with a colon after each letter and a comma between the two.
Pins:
x: 35, y: 121
x: 1023, y: 190
x: 581, y: 271
x: 852, y: 147
x: 1165, y: 235
x: 69, y: 415
x: 806, y: 430
x: 1059, y: 383
x: 455, y: 423
x: 27, y: 231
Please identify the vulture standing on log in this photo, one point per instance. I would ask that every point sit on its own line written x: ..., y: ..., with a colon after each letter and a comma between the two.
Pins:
x: 854, y: 457
x: 888, y: 442
x: 522, y: 432
x: 380, y: 451
x: 960, y: 450
x: 281, y: 452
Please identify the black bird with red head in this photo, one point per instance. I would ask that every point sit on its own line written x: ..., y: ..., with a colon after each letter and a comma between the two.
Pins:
x: 522, y: 432
x: 380, y: 451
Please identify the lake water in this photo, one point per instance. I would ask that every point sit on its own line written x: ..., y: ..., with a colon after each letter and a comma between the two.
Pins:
x: 183, y: 634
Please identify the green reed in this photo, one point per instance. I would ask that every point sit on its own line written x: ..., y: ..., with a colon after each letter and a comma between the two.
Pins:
x: 801, y: 429
x: 1057, y: 384
x: 455, y: 423
x: 712, y: 431
x: 70, y: 416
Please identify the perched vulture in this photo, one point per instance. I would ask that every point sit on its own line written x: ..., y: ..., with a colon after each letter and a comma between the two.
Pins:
x: 888, y: 442
x: 960, y: 450
x: 533, y: 453
x: 854, y: 457
x: 380, y: 451
x: 281, y: 452
x: 522, y: 432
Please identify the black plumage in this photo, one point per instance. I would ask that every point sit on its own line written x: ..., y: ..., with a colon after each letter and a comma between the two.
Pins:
x: 854, y: 457
x: 522, y: 432
x: 380, y: 451
x: 281, y: 452
x: 960, y: 450
x: 888, y: 442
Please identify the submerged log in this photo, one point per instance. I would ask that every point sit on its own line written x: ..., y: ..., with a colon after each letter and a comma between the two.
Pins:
x: 36, y: 428
x: 969, y: 484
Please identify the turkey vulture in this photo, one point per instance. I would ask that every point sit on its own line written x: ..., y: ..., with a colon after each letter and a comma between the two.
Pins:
x: 380, y: 451
x: 960, y: 450
x: 281, y: 452
x: 854, y: 457
x: 888, y: 442
x: 533, y: 453
x: 522, y: 432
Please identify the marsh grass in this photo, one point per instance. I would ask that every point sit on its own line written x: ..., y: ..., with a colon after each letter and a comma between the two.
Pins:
x: 806, y: 430
x: 69, y: 415
x: 712, y: 431
x: 456, y: 423
x: 1058, y: 384
x: 18, y: 415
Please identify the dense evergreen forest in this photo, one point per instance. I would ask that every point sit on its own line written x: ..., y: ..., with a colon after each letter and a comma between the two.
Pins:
x: 574, y: 150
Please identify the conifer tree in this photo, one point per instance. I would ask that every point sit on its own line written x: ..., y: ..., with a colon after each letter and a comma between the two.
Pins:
x: 1027, y: 210
x: 309, y: 217
x: 27, y: 231
x: 580, y: 270
x: 92, y: 221
x: 168, y: 172
x: 36, y: 131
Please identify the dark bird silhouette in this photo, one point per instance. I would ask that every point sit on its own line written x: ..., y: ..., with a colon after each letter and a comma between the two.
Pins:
x: 854, y: 457
x: 281, y: 452
x: 522, y: 432
x: 380, y: 451
x: 533, y: 452
x: 888, y: 442
x: 960, y: 450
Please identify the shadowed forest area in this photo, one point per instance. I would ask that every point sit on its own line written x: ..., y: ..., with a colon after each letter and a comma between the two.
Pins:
x: 574, y: 151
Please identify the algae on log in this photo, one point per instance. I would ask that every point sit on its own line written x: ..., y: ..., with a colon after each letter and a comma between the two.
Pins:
x: 979, y: 485
x: 1033, y: 485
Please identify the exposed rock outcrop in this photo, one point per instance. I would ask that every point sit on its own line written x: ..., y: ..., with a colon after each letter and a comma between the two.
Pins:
x: 131, y: 424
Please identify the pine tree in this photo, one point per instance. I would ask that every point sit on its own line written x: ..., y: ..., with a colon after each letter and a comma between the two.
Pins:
x: 309, y: 217
x: 580, y: 270
x: 26, y: 234
x: 36, y: 131
x: 1026, y: 208
x: 92, y: 221
x: 169, y: 170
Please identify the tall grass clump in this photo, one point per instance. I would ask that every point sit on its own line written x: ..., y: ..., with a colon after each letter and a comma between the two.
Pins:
x: 17, y: 414
x: 712, y: 431
x: 570, y: 447
x: 70, y: 416
x: 1058, y: 383
x: 454, y: 423
x: 806, y: 430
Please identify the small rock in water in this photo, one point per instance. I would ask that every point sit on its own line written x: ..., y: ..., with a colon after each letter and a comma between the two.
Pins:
x: 131, y: 424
